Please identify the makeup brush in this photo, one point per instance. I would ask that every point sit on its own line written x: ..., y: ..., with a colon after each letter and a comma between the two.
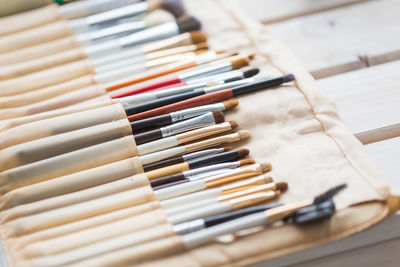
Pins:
x: 158, y: 32
x: 282, y: 186
x: 194, y: 164
x: 214, y: 97
x: 210, y: 118
x: 179, y: 150
x: 182, y: 138
x: 184, y: 158
x: 222, y: 80
x: 203, y: 172
x: 180, y: 115
x: 228, y: 65
x: 223, y: 206
x: 213, y: 181
x: 199, y: 224
x: 215, y: 192
x: 88, y: 23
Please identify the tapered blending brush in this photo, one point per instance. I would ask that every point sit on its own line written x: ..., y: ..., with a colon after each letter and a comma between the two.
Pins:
x: 184, y: 158
x: 228, y: 65
x: 216, y: 82
x: 199, y: 173
x: 199, y: 196
x: 184, y: 114
x: 186, y: 137
x: 269, y: 187
x: 212, y: 181
x: 192, y: 147
x: 209, y: 118
x: 214, y: 97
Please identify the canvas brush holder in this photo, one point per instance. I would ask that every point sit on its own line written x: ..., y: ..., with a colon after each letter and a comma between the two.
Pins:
x: 89, y: 202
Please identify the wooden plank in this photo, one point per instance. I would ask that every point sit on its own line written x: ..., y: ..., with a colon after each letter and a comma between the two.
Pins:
x: 368, y: 100
x: 344, y: 39
x: 268, y: 11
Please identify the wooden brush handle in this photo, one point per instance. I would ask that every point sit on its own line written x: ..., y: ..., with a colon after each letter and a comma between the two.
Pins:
x: 167, y: 179
x: 167, y: 171
x: 147, y: 136
x: 193, y: 102
x: 163, y: 163
x: 157, y: 121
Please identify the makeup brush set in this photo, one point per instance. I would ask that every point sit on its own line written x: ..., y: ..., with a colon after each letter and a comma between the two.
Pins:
x: 115, y: 143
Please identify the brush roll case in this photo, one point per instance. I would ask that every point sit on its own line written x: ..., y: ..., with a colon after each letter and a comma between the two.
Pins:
x: 72, y: 186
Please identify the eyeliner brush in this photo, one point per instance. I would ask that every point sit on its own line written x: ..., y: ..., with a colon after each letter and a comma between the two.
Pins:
x: 173, y: 117
x: 186, y: 137
x: 194, y: 164
x: 195, y: 173
x: 185, y: 158
x: 210, y: 118
x: 214, y: 96
x: 192, y: 147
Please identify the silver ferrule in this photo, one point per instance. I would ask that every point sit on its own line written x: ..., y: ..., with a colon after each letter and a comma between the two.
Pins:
x: 202, y: 153
x: 193, y: 112
x: 209, y: 174
x: 219, y: 77
x: 188, y: 227
x: 200, y: 121
x: 228, y: 85
x: 206, y: 71
x: 180, y: 89
x: 130, y: 10
x: 154, y: 33
x: 219, y: 166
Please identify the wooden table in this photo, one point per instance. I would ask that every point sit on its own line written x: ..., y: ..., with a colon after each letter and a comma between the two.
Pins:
x: 352, y: 48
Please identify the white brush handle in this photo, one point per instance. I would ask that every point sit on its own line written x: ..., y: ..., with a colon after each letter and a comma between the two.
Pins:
x: 160, y: 155
x: 201, y: 212
x: 180, y: 189
x: 186, y: 199
x: 209, y: 234
x: 134, y: 54
x: 121, y: 73
x: 185, y: 207
x: 157, y: 145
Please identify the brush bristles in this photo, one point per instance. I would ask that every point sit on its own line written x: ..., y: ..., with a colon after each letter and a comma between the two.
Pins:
x: 244, y: 134
x: 176, y: 7
x: 157, y: 17
x: 282, y: 186
x: 219, y: 116
x: 202, y: 46
x: 246, y: 161
x: 265, y: 167
x: 189, y: 24
x: 329, y: 194
x: 198, y: 37
x: 227, y: 148
x: 234, y: 124
x: 231, y: 104
x: 243, y: 152
x: 250, y: 73
x: 240, y: 63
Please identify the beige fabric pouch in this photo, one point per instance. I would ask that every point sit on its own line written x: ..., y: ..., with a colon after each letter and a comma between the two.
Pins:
x: 8, y: 8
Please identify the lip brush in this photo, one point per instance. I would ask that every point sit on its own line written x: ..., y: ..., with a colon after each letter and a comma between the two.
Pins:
x: 213, y: 181
x: 214, y: 96
x: 186, y: 137
x: 192, y: 147
x: 210, y: 118
x: 197, y: 163
x: 174, y: 117
x: 185, y: 158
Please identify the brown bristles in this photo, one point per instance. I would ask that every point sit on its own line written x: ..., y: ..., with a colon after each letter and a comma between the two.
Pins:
x: 265, y: 167
x: 219, y: 116
x: 221, y: 52
x: 198, y: 37
x: 201, y: 46
x: 251, y: 56
x: 234, y: 124
x: 200, y: 51
x: 277, y: 193
x: 243, y: 152
x: 230, y: 104
x: 246, y: 161
x: 281, y: 186
x: 240, y: 63
x: 227, y: 148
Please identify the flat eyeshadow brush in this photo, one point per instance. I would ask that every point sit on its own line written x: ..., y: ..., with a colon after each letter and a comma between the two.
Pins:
x: 213, y: 97
x: 223, y: 80
x: 186, y: 137
x: 210, y: 118
x: 196, y: 163
x: 213, y: 181
x: 192, y: 147
x: 199, y: 224
x: 196, y: 173
x: 195, y: 197
x: 184, y: 158
x: 174, y: 117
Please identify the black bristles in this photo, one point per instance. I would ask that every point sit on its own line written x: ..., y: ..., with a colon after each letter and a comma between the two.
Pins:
x: 251, y: 72
x: 329, y: 194
x: 189, y: 24
x: 175, y: 7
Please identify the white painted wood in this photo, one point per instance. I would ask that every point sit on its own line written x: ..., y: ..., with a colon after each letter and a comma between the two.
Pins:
x: 344, y: 39
x: 368, y: 100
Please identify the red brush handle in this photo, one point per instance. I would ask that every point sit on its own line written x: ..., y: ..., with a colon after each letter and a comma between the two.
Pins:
x: 148, y: 87
x: 169, y: 86
x: 189, y: 103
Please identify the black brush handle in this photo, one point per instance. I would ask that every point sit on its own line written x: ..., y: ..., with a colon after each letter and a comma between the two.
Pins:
x: 162, y: 163
x: 157, y: 121
x: 217, y: 219
x: 167, y: 179
x: 148, y: 136
x: 214, y: 159
x: 264, y: 84
x: 171, y: 184
x: 162, y: 102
